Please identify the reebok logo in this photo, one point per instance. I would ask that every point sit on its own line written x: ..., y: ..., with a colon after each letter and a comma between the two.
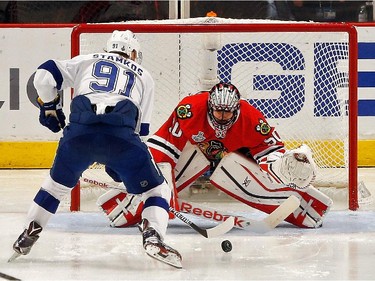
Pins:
x: 186, y: 207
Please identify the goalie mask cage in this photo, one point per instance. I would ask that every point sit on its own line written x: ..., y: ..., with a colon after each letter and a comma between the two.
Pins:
x: 302, y: 76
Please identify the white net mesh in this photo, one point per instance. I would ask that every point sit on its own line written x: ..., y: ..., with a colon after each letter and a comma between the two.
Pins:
x: 299, y: 79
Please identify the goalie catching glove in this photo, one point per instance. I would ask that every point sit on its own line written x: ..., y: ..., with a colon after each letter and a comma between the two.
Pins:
x: 295, y: 168
x: 51, y: 114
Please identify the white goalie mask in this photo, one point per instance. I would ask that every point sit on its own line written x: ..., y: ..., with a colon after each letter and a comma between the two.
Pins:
x: 124, y: 42
x: 223, y: 97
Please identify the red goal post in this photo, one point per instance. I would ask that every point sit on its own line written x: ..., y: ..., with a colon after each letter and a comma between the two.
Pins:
x: 302, y: 76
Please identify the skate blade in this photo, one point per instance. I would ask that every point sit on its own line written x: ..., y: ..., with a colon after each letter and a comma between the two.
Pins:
x: 171, y: 259
x: 14, y: 256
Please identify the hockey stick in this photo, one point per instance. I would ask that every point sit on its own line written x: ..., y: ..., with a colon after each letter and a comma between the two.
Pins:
x: 13, y: 257
x: 210, y: 232
x: 262, y: 226
x: 7, y: 277
x: 228, y: 221
x: 215, y: 231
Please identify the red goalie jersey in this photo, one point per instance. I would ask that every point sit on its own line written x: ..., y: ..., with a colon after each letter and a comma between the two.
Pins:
x: 190, y: 121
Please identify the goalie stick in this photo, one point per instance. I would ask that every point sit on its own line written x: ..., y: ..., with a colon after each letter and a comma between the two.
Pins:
x: 215, y: 231
x: 210, y: 232
x: 258, y: 226
x: 14, y: 256
x: 7, y: 277
x: 262, y: 226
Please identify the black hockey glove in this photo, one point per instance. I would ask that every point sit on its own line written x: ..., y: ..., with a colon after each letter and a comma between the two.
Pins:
x: 50, y: 115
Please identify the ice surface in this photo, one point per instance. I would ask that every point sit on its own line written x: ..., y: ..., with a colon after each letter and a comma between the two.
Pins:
x: 81, y: 246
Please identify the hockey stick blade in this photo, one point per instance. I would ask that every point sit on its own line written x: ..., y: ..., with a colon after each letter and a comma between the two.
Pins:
x: 274, y: 218
x: 215, y: 231
x: 14, y: 256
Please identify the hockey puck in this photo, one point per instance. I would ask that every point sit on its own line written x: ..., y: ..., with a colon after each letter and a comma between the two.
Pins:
x: 226, y: 245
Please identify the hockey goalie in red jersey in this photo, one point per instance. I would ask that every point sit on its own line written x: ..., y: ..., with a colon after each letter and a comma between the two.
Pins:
x: 217, y: 122
x: 210, y: 126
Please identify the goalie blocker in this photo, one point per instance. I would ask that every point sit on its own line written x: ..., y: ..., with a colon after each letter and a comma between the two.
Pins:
x: 237, y: 176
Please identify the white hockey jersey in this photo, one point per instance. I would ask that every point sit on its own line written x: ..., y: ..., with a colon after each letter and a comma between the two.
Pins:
x: 104, y: 78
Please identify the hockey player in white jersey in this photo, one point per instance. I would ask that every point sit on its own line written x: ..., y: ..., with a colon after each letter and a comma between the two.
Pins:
x: 110, y: 109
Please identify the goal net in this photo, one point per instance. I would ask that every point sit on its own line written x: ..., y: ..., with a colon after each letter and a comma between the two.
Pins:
x: 301, y: 76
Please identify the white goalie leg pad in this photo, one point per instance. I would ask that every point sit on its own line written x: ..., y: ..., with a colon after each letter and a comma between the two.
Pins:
x: 245, y: 181
x: 295, y: 168
x: 105, y: 197
x: 166, y: 170
x: 121, y: 208
x: 190, y: 166
x: 124, y: 209
x: 114, y: 207
x: 168, y: 174
x: 313, y: 207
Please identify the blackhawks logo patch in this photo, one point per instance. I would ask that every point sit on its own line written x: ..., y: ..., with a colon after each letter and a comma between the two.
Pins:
x: 184, y: 111
x: 263, y: 127
x: 213, y: 149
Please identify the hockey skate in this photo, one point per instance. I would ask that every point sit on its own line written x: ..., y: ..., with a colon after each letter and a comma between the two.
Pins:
x: 26, y: 240
x: 157, y: 249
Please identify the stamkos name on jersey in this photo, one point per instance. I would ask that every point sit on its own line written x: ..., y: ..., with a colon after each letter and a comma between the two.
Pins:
x: 128, y: 63
x: 215, y: 215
